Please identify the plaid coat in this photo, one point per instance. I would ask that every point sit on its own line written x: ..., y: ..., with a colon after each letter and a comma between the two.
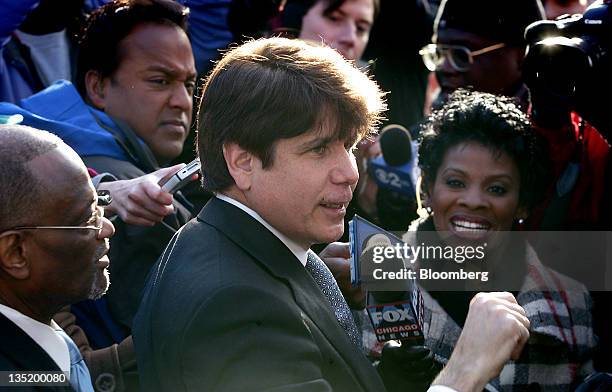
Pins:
x: 561, y: 340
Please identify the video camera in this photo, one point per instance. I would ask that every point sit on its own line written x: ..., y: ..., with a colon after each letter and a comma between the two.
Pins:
x: 568, y: 65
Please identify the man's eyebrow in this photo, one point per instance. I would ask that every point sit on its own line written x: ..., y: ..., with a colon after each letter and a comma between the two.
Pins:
x: 85, y: 213
x: 168, y: 71
x: 453, y: 40
x: 317, y: 141
x: 160, y: 68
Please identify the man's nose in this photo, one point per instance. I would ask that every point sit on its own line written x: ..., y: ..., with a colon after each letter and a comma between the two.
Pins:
x: 345, y: 171
x: 108, y: 230
x: 181, y: 98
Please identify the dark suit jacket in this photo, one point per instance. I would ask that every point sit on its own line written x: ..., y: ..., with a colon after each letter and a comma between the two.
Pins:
x: 20, y: 353
x: 229, y: 308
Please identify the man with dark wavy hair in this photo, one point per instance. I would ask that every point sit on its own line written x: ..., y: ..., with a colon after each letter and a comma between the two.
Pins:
x: 238, y: 301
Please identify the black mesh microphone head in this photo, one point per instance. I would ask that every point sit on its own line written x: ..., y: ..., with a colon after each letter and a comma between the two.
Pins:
x: 387, y: 297
x: 395, y: 144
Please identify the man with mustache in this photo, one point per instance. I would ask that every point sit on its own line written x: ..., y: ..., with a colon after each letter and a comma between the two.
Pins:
x: 128, y: 113
x: 53, y: 247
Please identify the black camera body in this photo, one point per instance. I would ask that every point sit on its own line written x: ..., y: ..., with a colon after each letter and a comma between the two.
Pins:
x: 568, y: 64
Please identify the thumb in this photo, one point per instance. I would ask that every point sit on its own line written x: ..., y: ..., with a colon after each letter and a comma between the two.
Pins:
x: 344, y: 250
x: 163, y: 174
x: 336, y: 249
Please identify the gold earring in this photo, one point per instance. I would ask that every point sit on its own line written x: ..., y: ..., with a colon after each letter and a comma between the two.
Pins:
x: 421, y: 209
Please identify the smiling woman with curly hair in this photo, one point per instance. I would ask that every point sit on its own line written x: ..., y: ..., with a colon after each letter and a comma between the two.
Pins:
x: 484, y: 168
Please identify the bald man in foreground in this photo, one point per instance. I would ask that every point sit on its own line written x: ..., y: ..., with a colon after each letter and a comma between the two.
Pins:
x: 53, y: 246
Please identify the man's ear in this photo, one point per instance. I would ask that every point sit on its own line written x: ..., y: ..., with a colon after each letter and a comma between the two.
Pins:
x: 240, y: 164
x: 13, y: 259
x: 95, y: 85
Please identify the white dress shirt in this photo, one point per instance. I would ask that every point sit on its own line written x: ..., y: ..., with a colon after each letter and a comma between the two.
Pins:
x: 44, y: 335
x: 297, y: 250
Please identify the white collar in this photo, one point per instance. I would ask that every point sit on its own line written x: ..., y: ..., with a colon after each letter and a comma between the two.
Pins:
x: 297, y: 250
x: 44, y: 335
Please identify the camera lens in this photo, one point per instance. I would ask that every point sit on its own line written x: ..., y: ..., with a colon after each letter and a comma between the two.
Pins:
x: 543, y: 68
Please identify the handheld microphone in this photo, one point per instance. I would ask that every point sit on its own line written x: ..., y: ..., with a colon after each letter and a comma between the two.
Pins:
x: 396, y: 315
x: 406, y: 363
x: 393, y: 169
x: 397, y: 319
x: 394, y: 175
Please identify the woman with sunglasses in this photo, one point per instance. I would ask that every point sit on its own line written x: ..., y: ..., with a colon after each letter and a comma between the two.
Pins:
x: 483, y: 170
